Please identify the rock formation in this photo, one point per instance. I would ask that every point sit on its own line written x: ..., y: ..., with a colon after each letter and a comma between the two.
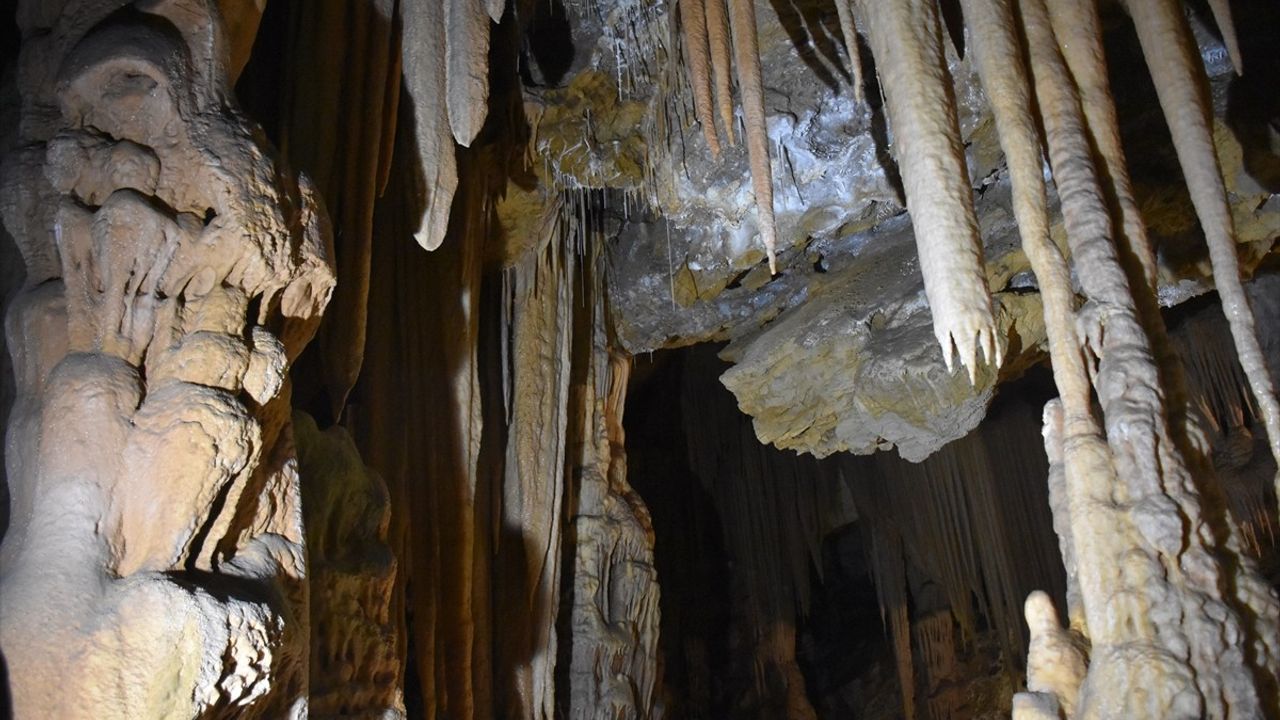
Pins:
x: 156, y: 564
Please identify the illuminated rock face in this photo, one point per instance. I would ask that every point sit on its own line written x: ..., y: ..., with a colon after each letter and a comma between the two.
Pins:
x: 155, y: 564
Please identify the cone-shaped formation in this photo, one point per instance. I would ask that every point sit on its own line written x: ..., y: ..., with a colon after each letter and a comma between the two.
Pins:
x: 746, y: 54
x: 693, y: 26
x: 906, y: 38
x: 446, y: 72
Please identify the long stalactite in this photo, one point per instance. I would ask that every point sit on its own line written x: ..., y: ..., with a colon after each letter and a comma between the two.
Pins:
x: 1179, y: 80
x: 746, y: 55
x: 906, y: 39
x: 693, y: 27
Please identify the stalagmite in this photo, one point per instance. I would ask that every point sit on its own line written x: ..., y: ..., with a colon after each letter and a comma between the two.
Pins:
x: 354, y: 663
x: 1056, y: 660
x: 466, y: 43
x: 1179, y: 80
x: 1079, y: 32
x: 613, y: 670
x: 693, y: 26
x: 425, y: 59
x: 717, y: 17
x: 850, y: 33
x: 746, y: 54
x: 906, y: 40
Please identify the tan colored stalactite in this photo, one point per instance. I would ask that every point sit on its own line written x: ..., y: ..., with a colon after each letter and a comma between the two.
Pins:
x: 746, y: 54
x: 466, y: 42
x: 156, y: 566
x: 1179, y: 79
x: 1079, y: 32
x: 540, y: 315
x: 1221, y: 10
x: 693, y: 27
x: 1189, y: 668
x: 1126, y: 619
x: 424, y: 59
x: 721, y: 52
x: 906, y: 39
x: 463, y: 505
x: 338, y: 122
x: 850, y: 32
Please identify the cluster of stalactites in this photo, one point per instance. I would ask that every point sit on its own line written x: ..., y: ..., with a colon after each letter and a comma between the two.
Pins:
x: 906, y: 38
x: 446, y: 73
x: 1115, y: 346
x: 706, y: 29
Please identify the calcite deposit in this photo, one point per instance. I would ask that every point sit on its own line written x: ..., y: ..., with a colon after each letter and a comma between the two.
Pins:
x: 155, y: 562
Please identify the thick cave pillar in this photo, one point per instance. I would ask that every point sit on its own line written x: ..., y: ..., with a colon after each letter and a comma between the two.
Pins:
x: 156, y: 564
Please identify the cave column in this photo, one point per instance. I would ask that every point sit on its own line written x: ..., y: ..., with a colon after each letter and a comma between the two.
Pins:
x: 155, y: 565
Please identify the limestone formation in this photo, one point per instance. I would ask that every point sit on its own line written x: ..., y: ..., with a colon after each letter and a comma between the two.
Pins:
x: 156, y: 562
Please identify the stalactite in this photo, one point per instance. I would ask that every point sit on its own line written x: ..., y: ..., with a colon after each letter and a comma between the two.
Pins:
x: 848, y: 29
x: 887, y: 564
x: 1079, y: 32
x: 1158, y: 580
x: 424, y: 61
x: 746, y: 53
x: 717, y: 16
x: 693, y: 26
x: 466, y: 43
x: 906, y: 39
x: 1004, y: 76
x: 1179, y: 79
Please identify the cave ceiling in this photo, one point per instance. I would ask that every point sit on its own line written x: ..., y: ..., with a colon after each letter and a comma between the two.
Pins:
x: 836, y: 350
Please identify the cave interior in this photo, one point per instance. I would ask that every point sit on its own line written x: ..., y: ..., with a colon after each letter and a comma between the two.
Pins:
x: 630, y: 359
